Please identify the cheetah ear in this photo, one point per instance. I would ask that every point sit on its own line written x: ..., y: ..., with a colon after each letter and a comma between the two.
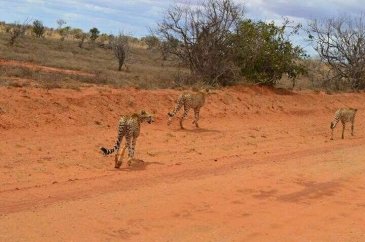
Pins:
x: 143, y: 112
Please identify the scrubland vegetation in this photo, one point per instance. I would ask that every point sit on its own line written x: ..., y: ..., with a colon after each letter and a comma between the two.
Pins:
x: 213, y: 44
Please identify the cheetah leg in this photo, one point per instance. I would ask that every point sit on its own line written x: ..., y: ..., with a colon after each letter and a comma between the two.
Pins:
x: 178, y: 106
x: 196, y: 114
x: 131, y: 156
x: 343, y: 130
x: 352, y: 128
x: 118, y: 161
x: 130, y: 148
x: 119, y: 157
x: 186, y: 111
x: 331, y: 134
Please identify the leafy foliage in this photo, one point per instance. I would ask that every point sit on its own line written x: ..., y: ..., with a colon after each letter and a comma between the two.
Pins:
x: 64, y: 32
x: 38, y: 28
x: 151, y: 41
x: 94, y: 34
x: 79, y: 35
x: 263, y: 52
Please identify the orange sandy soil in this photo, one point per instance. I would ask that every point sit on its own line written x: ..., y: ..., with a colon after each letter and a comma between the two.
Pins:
x: 260, y: 168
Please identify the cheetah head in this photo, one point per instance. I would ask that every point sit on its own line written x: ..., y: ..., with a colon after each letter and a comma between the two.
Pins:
x: 145, y: 116
x: 207, y: 91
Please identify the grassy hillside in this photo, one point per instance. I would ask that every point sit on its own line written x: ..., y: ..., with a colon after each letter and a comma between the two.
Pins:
x: 95, y: 65
x: 144, y: 68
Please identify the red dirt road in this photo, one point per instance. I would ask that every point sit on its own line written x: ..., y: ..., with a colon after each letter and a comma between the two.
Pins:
x: 261, y: 168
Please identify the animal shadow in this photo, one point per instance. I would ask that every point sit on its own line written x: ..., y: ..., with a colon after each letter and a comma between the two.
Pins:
x: 312, y: 190
x: 139, y: 165
x: 199, y: 130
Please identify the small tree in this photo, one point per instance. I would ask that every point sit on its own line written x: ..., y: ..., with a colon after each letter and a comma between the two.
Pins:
x: 103, y: 38
x: 38, y: 28
x: 263, y: 52
x: 151, y: 41
x: 203, y: 34
x: 120, y: 48
x: 60, y: 23
x: 82, y: 37
x: 79, y: 35
x: 94, y: 34
x: 64, y: 32
x: 75, y: 32
x: 340, y: 43
x: 166, y: 47
x: 104, y: 41
x: 16, y: 31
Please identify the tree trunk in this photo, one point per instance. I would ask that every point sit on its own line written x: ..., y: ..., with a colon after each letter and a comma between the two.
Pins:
x: 81, y: 43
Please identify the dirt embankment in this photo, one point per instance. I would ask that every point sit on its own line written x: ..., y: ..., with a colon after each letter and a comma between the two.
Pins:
x: 30, y: 108
x: 260, y: 168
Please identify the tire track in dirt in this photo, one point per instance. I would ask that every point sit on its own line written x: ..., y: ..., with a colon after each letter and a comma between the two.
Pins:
x: 17, y: 200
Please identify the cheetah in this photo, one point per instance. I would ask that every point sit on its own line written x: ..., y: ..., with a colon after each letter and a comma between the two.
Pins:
x: 129, y: 126
x: 344, y: 115
x: 190, y: 100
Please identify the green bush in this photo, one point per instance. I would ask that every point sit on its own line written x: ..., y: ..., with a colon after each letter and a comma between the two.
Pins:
x: 263, y: 52
x: 94, y: 34
x: 151, y: 41
x: 38, y: 28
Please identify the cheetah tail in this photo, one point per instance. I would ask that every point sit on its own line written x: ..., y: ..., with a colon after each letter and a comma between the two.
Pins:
x: 106, y: 151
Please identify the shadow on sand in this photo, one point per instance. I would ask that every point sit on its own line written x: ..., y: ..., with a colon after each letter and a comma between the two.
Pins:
x: 137, y: 165
x: 198, y: 130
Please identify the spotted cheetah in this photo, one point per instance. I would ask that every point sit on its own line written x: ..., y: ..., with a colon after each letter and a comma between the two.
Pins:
x: 129, y: 126
x: 190, y: 100
x: 344, y: 115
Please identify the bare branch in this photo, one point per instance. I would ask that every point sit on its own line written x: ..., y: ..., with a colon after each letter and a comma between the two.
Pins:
x: 203, y: 33
x: 340, y: 42
x: 120, y: 48
x: 18, y: 30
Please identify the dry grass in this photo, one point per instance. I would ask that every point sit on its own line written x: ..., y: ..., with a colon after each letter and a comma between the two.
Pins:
x: 143, y: 69
x: 19, y: 76
x: 314, y: 79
